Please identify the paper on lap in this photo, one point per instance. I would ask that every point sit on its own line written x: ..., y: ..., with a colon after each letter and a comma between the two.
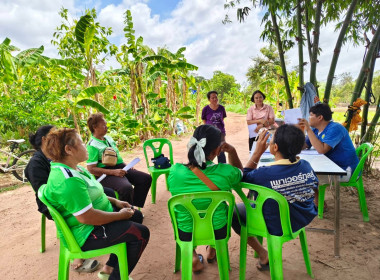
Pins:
x: 126, y: 168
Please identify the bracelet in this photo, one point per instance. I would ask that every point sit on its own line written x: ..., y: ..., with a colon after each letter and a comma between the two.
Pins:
x: 255, y: 162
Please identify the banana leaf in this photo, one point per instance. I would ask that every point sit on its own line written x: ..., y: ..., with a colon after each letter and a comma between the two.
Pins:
x: 93, y: 104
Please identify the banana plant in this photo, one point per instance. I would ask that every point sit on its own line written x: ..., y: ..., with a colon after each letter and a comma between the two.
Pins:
x: 76, y: 100
x: 8, y: 71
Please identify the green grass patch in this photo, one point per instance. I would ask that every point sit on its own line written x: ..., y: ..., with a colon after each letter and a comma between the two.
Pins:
x: 236, y: 108
x: 338, y: 116
x: 11, y: 188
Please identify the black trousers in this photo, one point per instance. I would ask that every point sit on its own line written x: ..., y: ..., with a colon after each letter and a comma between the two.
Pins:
x: 123, y: 185
x: 242, y: 215
x: 188, y: 236
x: 134, y: 234
x: 222, y: 156
x: 250, y: 142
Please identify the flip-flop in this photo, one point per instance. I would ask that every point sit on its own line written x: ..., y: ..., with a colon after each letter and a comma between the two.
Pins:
x: 104, y: 276
x: 88, y: 266
x: 210, y: 260
x: 201, y: 260
x: 263, y: 267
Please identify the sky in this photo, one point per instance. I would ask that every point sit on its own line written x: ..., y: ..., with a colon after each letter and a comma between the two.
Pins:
x: 194, y: 24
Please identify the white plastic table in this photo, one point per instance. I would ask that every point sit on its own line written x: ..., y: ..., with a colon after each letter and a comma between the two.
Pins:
x: 322, y: 165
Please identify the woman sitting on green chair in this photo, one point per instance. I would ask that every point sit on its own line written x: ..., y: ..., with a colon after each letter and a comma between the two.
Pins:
x: 96, y: 221
x: 203, y: 147
x: 290, y: 176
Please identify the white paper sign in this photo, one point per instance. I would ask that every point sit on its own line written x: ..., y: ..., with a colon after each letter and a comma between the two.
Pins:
x: 251, y: 130
x: 292, y: 115
x: 126, y: 168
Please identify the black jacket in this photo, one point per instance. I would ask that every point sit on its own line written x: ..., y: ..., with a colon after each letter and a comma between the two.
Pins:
x: 37, y: 172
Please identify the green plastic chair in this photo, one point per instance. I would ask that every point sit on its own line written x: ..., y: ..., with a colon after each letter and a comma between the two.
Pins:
x: 154, y: 172
x: 203, y: 231
x: 73, y: 251
x: 356, y: 181
x: 255, y: 226
x: 43, y: 232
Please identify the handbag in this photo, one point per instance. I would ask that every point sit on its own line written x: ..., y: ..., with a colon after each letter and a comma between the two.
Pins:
x: 109, y: 157
x: 161, y: 162
x: 206, y: 180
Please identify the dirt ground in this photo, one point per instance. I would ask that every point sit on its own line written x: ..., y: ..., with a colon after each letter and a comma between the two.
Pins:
x: 360, y: 246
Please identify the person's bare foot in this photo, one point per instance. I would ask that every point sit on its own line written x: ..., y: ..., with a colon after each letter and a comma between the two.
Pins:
x: 263, y: 261
x: 85, y: 265
x: 197, y: 262
x: 107, y: 269
x: 211, y: 254
x: 77, y: 263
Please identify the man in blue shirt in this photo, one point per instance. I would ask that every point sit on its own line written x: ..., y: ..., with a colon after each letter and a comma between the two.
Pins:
x: 330, y: 138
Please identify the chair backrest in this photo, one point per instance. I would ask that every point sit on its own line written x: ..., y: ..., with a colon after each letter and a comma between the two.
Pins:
x: 362, y: 152
x: 60, y: 223
x: 156, y: 145
x: 255, y: 221
x: 203, y: 230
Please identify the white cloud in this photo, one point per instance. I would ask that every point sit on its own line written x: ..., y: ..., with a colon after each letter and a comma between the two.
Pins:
x: 195, y: 24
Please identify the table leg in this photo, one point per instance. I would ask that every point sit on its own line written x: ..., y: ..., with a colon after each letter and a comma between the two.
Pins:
x: 337, y: 217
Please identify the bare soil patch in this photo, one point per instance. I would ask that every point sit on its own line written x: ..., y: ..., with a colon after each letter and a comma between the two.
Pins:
x: 360, y: 247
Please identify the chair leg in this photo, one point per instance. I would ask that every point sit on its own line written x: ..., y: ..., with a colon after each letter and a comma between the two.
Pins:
x: 43, y: 231
x: 321, y: 200
x: 305, y: 252
x: 153, y: 188
x: 260, y: 239
x: 166, y: 178
x: 123, y: 263
x: 222, y: 256
x: 362, y: 200
x: 243, y: 252
x: 187, y: 261
x: 177, y: 258
x: 275, y: 257
x: 64, y: 263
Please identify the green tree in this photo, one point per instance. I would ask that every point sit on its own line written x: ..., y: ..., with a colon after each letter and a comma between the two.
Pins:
x: 223, y: 83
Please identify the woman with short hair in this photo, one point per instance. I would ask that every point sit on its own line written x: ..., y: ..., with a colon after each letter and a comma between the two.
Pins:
x: 260, y: 114
x: 214, y: 114
x: 116, y: 179
x: 96, y: 221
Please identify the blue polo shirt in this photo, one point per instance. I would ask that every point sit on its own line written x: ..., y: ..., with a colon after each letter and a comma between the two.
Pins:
x: 296, y: 182
x: 337, y: 137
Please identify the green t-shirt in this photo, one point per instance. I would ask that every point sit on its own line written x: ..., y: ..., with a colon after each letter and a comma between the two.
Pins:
x: 183, y: 180
x: 72, y: 193
x: 96, y: 147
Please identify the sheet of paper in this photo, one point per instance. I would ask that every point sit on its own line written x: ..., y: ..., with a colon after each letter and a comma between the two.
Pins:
x: 311, y: 151
x: 251, y: 130
x: 292, y: 115
x: 126, y: 168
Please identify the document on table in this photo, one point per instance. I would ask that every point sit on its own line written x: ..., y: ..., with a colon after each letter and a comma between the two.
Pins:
x: 126, y: 168
x: 311, y: 151
x: 251, y: 130
x: 292, y: 115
